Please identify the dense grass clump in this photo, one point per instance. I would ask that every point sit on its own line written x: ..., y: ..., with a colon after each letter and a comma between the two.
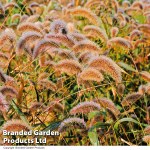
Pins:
x: 80, y: 67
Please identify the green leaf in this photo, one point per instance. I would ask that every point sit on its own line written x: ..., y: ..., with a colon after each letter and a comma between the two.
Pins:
x: 126, y: 66
x: 92, y: 133
x: 52, y: 126
x: 93, y: 114
x: 1, y: 120
x: 127, y: 120
x: 19, y: 112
